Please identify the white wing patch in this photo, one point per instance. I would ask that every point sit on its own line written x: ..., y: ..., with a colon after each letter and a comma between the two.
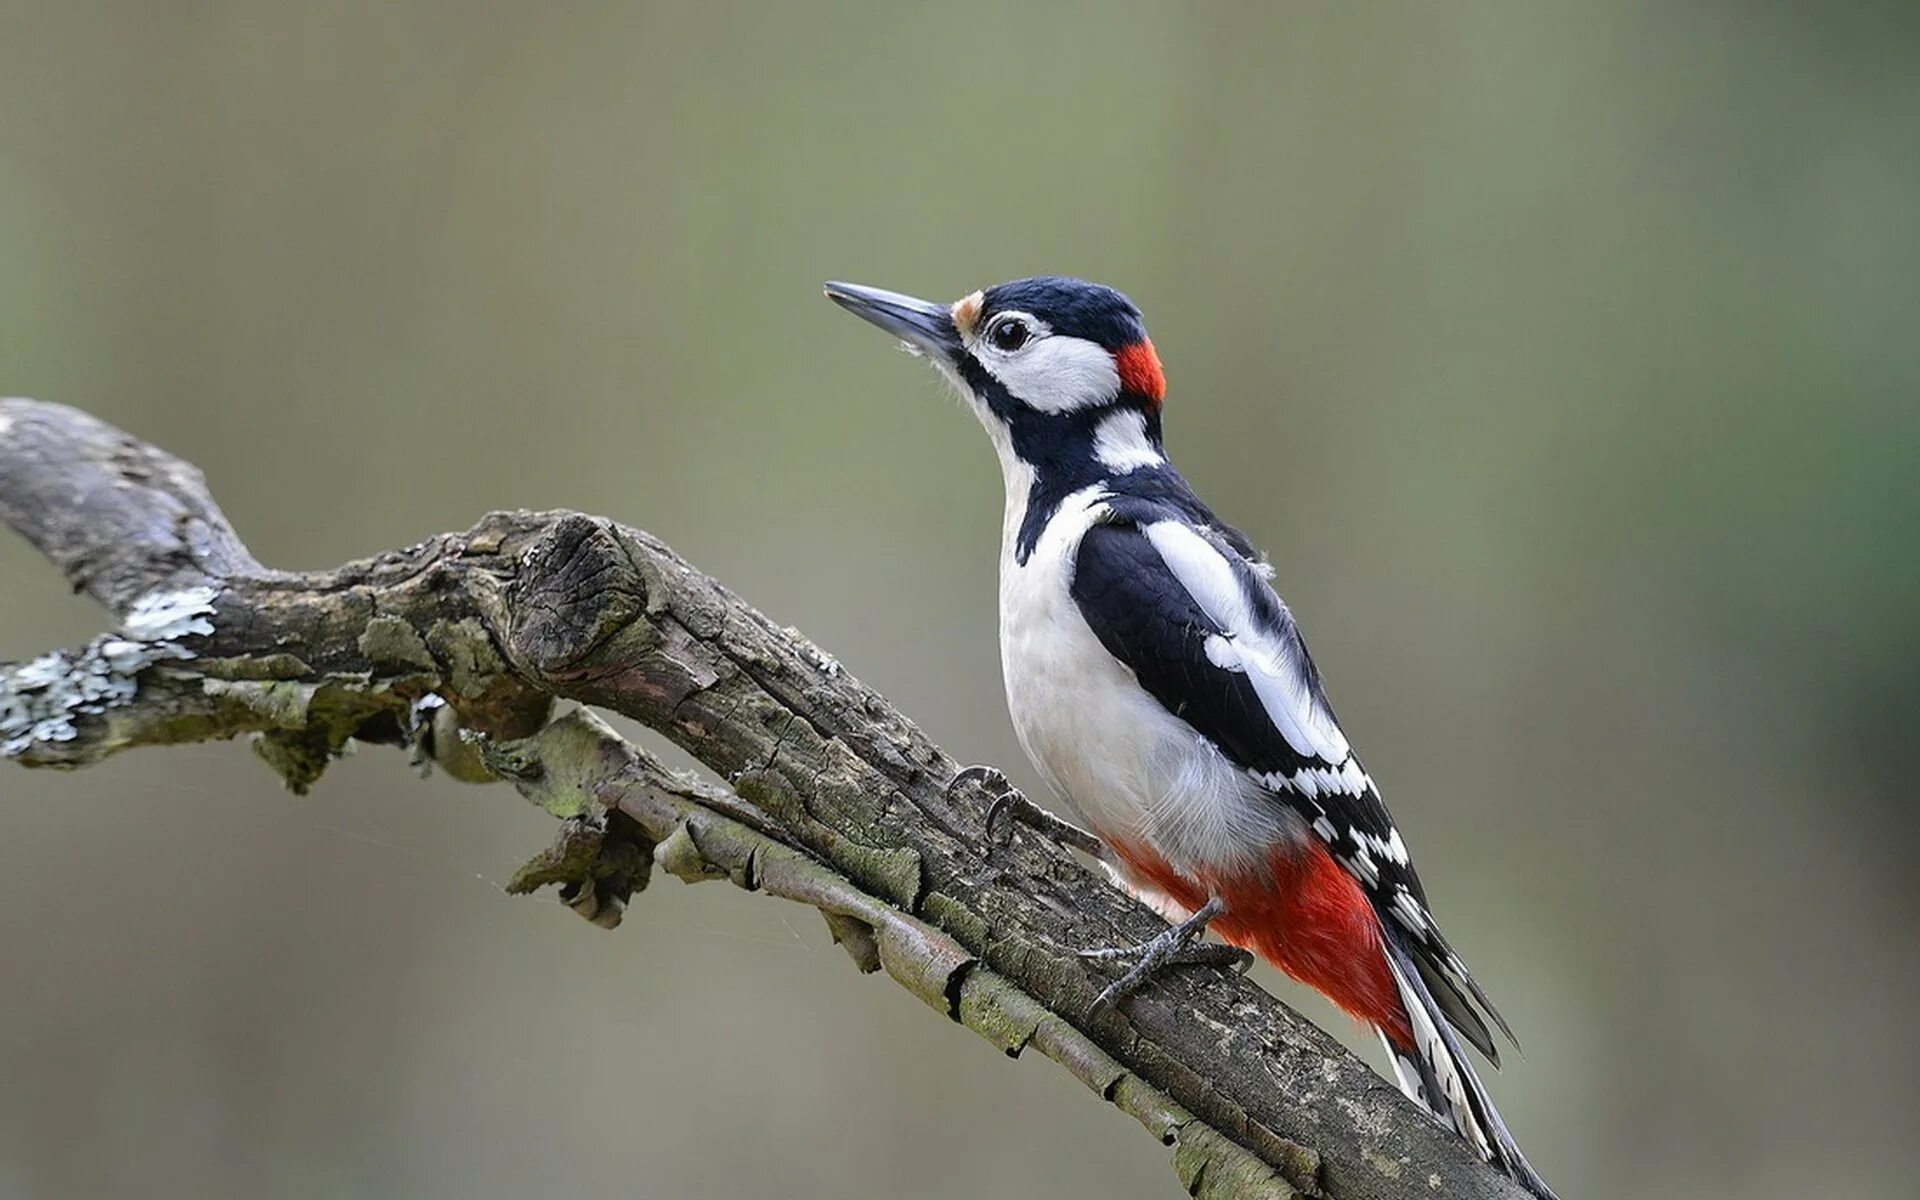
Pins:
x: 1271, y: 663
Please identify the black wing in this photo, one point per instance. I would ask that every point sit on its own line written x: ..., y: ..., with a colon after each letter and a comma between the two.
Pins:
x: 1181, y: 605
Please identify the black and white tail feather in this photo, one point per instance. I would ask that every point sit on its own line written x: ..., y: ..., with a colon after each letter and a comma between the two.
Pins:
x: 1440, y: 1077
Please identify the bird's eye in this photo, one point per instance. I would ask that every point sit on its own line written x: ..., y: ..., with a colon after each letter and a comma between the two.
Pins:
x: 1009, y: 334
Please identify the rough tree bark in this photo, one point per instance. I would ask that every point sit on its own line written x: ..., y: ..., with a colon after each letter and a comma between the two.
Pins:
x: 460, y: 646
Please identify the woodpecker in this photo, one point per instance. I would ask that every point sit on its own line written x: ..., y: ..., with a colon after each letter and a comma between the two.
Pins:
x: 1163, y: 691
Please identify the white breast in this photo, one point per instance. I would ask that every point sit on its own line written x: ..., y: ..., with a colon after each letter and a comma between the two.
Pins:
x: 1132, y: 771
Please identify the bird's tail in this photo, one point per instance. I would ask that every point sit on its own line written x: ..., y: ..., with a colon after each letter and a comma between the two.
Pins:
x: 1435, y: 1071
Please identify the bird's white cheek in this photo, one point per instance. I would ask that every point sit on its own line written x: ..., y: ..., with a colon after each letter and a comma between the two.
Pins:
x: 1058, y: 374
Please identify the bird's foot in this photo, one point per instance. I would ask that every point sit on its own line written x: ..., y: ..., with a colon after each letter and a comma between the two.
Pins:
x: 1177, y: 947
x: 1009, y: 803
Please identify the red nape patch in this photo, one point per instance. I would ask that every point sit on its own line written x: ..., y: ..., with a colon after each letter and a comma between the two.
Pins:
x: 1308, y: 917
x: 1140, y: 371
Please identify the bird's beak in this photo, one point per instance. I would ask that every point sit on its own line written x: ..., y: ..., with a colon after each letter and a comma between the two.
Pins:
x: 926, y: 328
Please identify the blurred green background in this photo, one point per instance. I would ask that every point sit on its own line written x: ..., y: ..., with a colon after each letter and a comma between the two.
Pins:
x: 1564, y: 358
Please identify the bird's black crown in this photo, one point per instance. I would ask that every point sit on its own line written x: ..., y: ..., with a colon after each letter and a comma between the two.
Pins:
x: 1073, y: 307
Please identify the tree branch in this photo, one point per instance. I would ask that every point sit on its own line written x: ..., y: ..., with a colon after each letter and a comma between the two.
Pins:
x: 459, y: 646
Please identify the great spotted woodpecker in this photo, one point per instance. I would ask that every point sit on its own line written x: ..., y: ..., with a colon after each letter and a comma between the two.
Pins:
x: 1162, y: 689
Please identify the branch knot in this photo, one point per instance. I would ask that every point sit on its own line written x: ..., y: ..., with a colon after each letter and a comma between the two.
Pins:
x: 577, y: 588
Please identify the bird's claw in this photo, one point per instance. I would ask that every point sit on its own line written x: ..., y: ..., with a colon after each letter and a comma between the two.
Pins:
x: 1177, y: 947
x: 987, y: 779
x: 1010, y: 803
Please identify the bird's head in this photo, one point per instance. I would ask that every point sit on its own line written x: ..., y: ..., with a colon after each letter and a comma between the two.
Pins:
x: 1052, y: 362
